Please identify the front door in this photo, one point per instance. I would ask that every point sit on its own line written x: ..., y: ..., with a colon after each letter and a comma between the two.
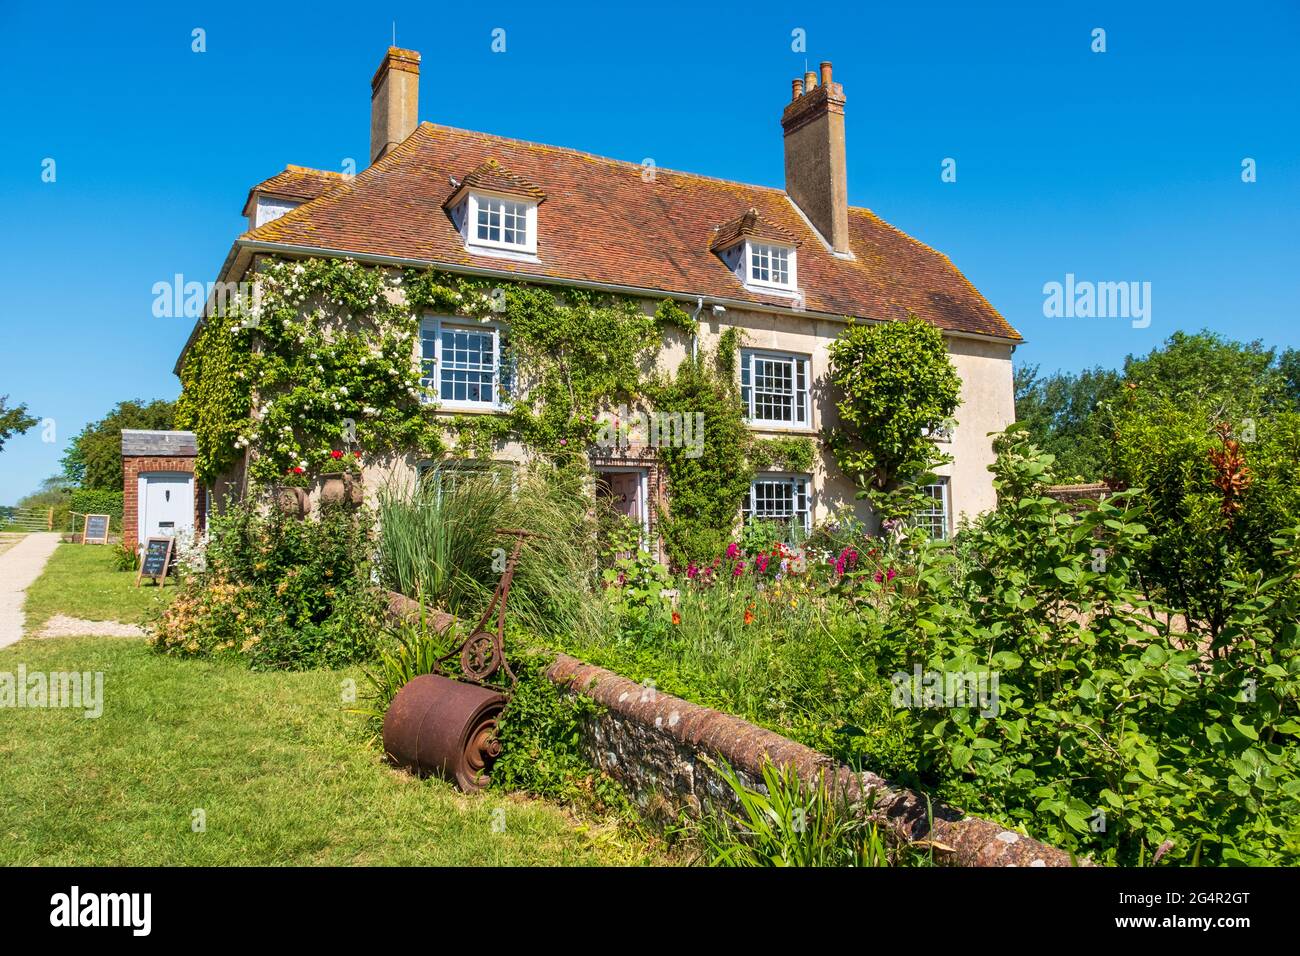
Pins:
x: 166, y: 504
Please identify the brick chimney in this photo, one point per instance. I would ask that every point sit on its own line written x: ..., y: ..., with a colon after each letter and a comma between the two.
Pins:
x: 394, y: 95
x: 815, y: 175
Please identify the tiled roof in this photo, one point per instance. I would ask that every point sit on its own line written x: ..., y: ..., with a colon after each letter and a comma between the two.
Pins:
x: 750, y: 224
x: 158, y: 444
x: 492, y: 177
x: 606, y: 222
x: 297, y: 182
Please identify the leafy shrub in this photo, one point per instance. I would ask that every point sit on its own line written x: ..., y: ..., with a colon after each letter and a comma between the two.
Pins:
x: 1109, y: 735
x: 279, y: 592
x: 95, y: 502
x: 893, y: 384
x: 125, y: 557
x: 540, y: 733
x: 1214, y: 500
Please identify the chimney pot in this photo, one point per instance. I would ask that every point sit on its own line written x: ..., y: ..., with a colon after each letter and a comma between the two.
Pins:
x: 809, y: 81
x: 394, y: 100
x: 796, y: 90
x: 826, y: 74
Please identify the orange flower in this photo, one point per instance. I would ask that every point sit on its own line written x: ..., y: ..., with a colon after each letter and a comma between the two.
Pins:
x: 749, y: 614
x: 677, y: 618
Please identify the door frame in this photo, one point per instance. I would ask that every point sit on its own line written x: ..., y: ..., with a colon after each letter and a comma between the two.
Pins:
x: 142, y: 499
x: 644, y: 487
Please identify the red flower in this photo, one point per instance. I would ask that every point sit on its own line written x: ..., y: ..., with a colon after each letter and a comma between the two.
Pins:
x: 297, y: 471
x: 677, y: 618
x: 356, y: 454
x: 336, y: 454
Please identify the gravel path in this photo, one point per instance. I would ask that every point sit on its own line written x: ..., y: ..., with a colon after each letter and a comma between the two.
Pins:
x: 19, y: 567
x: 63, y: 626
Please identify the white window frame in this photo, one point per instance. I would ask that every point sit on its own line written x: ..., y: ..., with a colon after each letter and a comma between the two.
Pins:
x: 801, y: 486
x: 801, y: 402
x: 754, y: 248
x: 434, y: 326
x: 472, y: 204
x: 940, y: 518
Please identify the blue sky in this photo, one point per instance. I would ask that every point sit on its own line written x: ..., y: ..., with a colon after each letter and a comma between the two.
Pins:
x: 1115, y: 166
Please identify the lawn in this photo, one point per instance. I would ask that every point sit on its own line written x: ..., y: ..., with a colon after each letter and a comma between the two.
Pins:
x: 80, y: 581
x: 282, y: 775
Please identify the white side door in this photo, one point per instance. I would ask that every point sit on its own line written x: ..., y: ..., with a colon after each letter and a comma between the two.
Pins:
x: 166, y: 504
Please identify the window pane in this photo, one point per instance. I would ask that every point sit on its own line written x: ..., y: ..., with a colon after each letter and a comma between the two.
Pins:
x: 781, y: 500
x: 934, y: 517
x: 469, y: 365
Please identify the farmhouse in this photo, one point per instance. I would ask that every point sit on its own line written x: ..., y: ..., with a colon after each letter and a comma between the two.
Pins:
x: 786, y: 268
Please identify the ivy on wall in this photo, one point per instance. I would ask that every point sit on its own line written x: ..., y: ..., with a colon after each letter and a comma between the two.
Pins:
x: 321, y: 368
x: 705, y: 490
x: 314, y: 370
x: 795, y: 453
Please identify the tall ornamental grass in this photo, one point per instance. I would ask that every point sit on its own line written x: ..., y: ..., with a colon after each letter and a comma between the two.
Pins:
x: 439, y: 539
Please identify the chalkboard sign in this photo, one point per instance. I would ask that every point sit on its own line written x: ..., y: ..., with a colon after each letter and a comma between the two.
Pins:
x: 155, y: 560
x: 95, y: 530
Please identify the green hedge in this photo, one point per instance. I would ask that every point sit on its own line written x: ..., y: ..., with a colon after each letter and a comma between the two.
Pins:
x: 90, y: 502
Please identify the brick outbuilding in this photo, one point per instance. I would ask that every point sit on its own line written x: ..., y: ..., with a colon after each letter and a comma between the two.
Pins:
x: 159, y: 494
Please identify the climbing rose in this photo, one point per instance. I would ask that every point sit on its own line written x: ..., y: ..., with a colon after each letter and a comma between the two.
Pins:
x: 336, y: 454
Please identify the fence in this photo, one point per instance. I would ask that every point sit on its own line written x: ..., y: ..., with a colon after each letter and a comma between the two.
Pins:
x: 26, y: 519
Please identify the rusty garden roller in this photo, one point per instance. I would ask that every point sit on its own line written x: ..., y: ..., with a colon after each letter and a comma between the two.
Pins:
x: 443, y: 726
x: 436, y: 724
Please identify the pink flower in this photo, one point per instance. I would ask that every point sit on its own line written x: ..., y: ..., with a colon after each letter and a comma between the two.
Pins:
x: 692, y: 571
x: 739, y: 570
x: 761, y: 563
x: 733, y: 549
x: 880, y: 578
x: 891, y: 575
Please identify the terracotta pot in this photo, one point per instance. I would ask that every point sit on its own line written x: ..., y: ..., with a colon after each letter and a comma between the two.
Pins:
x: 291, y: 501
x: 341, y: 488
x: 333, y: 488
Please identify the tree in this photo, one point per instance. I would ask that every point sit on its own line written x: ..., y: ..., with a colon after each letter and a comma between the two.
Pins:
x: 94, y: 457
x: 13, y: 421
x: 1239, y: 378
x: 1059, y: 412
x: 894, y: 385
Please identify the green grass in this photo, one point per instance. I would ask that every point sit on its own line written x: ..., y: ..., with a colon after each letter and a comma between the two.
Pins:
x: 80, y: 581
x: 283, y: 775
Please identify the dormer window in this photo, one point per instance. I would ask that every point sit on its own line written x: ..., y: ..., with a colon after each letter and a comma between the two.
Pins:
x: 506, y: 223
x: 270, y: 208
x: 495, y: 212
x: 771, y: 265
x: 763, y: 256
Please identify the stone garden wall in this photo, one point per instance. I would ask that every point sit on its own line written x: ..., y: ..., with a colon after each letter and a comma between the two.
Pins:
x: 665, y: 752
